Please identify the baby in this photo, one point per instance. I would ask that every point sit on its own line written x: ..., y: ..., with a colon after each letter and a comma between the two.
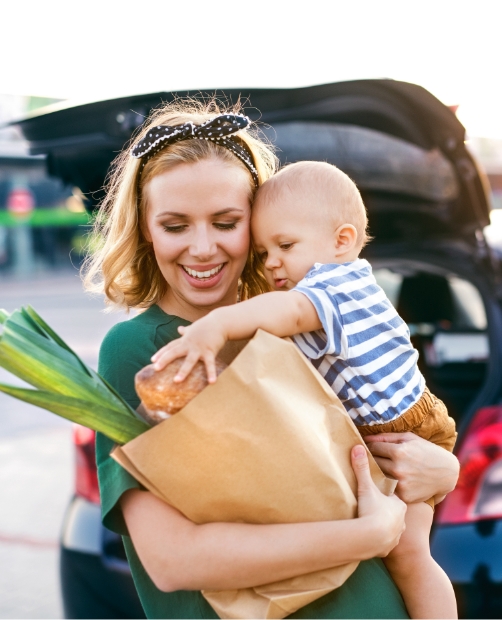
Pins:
x: 309, y: 226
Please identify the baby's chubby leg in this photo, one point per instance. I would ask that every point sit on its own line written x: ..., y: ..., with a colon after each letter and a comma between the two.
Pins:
x: 426, y: 590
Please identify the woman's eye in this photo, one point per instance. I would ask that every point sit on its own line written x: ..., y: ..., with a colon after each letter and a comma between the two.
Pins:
x: 225, y: 225
x: 174, y: 229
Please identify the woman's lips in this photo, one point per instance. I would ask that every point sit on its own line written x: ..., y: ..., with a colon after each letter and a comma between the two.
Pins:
x: 207, y: 282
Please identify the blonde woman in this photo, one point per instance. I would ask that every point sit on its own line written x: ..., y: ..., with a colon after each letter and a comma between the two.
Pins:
x: 173, y: 239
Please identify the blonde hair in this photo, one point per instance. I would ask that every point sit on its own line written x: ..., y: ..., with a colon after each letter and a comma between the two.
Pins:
x: 332, y: 192
x: 120, y: 261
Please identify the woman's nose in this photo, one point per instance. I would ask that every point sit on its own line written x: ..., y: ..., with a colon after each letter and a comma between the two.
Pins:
x: 203, y: 245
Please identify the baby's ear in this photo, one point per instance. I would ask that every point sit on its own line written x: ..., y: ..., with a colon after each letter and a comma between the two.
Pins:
x: 345, y: 238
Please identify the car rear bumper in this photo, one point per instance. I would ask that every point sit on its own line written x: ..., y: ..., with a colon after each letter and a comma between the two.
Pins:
x: 471, y: 555
x: 82, y: 529
x: 95, y: 578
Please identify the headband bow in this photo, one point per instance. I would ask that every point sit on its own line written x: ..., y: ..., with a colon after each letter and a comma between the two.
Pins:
x: 219, y: 130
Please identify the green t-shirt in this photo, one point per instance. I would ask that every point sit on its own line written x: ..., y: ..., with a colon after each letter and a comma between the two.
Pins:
x: 128, y: 346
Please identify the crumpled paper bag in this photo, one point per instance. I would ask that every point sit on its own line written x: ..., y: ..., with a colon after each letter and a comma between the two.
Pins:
x: 269, y: 442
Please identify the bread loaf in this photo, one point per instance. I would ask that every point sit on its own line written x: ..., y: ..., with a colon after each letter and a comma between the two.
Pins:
x: 161, y: 396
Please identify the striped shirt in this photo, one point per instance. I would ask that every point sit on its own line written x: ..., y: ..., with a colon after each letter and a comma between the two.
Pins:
x: 364, y: 350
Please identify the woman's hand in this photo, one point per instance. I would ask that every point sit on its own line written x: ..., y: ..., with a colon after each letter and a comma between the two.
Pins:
x: 385, y: 515
x: 202, y: 340
x: 422, y: 469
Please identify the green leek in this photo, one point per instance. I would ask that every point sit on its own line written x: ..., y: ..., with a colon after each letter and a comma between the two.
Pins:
x: 61, y: 381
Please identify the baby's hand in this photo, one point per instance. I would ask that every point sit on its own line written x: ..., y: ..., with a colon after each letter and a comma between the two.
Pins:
x: 199, y: 341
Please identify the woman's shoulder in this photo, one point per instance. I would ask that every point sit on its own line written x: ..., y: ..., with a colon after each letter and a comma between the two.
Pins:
x: 129, y: 346
x: 153, y: 328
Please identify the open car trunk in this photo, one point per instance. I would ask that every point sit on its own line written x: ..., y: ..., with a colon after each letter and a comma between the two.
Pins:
x: 425, y: 196
x: 454, y: 318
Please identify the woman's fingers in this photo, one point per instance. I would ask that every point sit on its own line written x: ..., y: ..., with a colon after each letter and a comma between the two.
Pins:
x: 389, y: 438
x: 387, y: 466
x: 384, y: 514
x: 421, y: 468
x: 361, y: 468
x: 382, y: 449
x: 387, y: 456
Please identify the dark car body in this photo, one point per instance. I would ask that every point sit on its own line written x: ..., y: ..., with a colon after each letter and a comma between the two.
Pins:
x: 427, y: 203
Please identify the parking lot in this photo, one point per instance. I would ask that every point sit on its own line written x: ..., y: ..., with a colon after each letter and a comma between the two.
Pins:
x: 36, y: 456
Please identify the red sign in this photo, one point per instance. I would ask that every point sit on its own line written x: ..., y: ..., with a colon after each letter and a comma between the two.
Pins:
x: 20, y: 201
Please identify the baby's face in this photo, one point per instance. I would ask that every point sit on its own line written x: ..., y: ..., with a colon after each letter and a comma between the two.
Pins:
x: 290, y: 236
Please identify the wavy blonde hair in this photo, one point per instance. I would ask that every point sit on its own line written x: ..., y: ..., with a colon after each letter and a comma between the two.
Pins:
x: 120, y: 262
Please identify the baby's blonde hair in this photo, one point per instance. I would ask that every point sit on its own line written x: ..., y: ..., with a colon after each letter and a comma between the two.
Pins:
x: 324, y: 187
x: 120, y: 261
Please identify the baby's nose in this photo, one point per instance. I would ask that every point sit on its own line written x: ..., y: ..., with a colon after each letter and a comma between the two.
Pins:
x: 272, y: 262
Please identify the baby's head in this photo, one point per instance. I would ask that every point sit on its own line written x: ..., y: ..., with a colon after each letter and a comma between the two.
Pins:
x: 309, y: 212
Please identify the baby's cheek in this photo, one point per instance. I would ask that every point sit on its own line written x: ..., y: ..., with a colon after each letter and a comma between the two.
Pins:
x: 269, y: 278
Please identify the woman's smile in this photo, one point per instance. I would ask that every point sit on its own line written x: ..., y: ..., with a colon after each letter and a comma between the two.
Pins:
x: 203, y: 276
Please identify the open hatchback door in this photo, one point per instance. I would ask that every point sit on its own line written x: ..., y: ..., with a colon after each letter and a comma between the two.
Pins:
x: 393, y: 138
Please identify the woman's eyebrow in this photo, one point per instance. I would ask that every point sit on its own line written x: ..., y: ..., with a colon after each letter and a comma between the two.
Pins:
x: 229, y: 210
x: 184, y: 215
x: 174, y: 213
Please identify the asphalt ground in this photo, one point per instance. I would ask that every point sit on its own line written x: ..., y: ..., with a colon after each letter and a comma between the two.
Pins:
x: 36, y: 453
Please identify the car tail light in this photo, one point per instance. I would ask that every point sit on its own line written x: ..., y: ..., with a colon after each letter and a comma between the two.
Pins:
x: 86, y: 479
x: 478, y: 494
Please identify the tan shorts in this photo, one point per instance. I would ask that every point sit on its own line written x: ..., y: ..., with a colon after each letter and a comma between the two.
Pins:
x: 427, y: 418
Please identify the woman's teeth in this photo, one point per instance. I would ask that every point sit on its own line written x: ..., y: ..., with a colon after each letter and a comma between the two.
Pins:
x: 203, y: 274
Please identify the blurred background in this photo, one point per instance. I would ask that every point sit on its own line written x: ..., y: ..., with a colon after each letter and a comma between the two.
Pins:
x: 53, y: 53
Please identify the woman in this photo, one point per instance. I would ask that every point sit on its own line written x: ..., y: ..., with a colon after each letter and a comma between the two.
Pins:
x: 175, y: 230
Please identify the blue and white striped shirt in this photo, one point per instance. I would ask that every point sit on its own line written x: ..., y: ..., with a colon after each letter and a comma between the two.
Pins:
x: 364, y: 350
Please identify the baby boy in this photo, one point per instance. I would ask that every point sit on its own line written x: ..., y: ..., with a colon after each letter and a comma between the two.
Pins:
x: 309, y: 227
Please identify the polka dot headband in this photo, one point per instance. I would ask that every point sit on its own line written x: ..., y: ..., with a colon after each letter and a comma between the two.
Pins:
x: 219, y: 130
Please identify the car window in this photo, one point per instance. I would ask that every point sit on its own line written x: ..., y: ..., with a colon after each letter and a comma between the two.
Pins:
x: 390, y: 282
x: 446, y: 313
x: 468, y: 302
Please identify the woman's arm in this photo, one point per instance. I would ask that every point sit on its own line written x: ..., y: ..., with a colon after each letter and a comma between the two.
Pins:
x: 180, y: 555
x: 422, y: 469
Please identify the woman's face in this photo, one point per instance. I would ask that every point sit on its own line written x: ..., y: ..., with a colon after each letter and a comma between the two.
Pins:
x: 197, y: 218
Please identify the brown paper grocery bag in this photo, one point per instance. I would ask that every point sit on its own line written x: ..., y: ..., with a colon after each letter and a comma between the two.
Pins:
x: 269, y: 442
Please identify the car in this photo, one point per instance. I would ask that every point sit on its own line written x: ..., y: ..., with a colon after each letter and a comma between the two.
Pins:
x: 428, y: 203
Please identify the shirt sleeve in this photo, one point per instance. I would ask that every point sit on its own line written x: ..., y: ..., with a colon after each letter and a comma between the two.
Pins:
x: 114, y: 481
x: 118, y: 363
x: 329, y: 341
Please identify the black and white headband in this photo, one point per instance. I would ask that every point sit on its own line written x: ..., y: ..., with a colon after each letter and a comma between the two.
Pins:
x: 219, y: 130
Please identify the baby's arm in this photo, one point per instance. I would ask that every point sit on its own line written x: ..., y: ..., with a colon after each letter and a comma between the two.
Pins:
x: 281, y: 314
